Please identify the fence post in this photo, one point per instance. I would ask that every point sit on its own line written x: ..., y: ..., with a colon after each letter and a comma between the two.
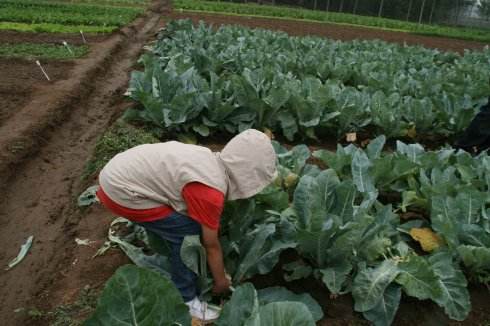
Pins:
x: 432, y: 11
x: 356, y: 2
x: 380, y: 8
x: 409, y: 9
x: 421, y: 11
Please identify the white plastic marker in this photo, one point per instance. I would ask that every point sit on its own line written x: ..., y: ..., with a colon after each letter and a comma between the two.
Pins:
x: 83, y: 37
x: 68, y: 47
x: 44, y: 72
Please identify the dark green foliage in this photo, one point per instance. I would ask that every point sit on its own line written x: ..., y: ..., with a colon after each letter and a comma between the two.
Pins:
x: 41, y: 51
x: 119, y: 138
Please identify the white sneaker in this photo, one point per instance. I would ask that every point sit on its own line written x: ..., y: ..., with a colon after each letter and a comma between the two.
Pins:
x: 202, y: 311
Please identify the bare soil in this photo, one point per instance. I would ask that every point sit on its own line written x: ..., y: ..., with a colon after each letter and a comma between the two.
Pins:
x: 55, y: 130
x: 51, y: 38
x: 43, y: 148
x: 335, y: 31
x: 20, y: 79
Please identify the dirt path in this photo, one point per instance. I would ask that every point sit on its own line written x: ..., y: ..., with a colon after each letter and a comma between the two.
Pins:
x: 38, y: 199
x: 336, y: 32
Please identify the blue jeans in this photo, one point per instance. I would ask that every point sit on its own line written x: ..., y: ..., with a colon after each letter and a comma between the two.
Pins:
x: 174, y: 228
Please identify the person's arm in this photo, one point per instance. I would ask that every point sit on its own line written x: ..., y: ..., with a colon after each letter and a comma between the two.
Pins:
x: 214, y: 254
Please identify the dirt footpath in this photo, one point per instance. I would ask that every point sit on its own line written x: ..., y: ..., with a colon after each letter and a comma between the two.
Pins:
x: 54, y: 135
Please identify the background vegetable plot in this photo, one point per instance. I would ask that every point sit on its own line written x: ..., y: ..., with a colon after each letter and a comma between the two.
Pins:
x: 261, y: 10
x: 53, y: 16
x: 197, y: 79
x: 51, y: 31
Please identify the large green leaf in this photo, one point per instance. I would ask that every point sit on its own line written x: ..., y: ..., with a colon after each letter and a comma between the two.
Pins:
x: 444, y: 219
x: 384, y: 312
x: 193, y: 255
x: 285, y: 314
x: 315, y: 245
x: 477, y: 260
x: 375, y: 147
x: 313, y: 199
x: 273, y: 197
x: 345, y: 196
x: 335, y: 277
x: 360, y: 172
x: 475, y: 235
x: 252, y: 249
x: 454, y: 298
x: 245, y: 309
x: 469, y: 202
x: 138, y: 254
x: 418, y: 278
x: 370, y: 284
x: 352, y: 239
x: 242, y: 307
x: 259, y: 251
x: 280, y: 294
x: 136, y: 296
x: 412, y: 151
x: 295, y: 159
x: 288, y: 124
x: 340, y: 160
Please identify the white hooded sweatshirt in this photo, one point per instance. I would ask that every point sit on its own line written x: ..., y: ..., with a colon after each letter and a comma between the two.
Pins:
x: 153, y: 175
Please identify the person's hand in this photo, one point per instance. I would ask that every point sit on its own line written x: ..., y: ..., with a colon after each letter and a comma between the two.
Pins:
x: 221, y: 286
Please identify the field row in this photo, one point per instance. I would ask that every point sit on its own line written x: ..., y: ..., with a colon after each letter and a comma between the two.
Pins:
x: 82, y: 18
x: 197, y: 79
x: 67, y: 17
x: 40, y: 39
x: 474, y: 34
x: 375, y: 224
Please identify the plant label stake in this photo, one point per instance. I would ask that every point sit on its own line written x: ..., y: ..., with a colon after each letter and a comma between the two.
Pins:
x: 42, y: 69
x: 68, y: 47
x: 83, y: 37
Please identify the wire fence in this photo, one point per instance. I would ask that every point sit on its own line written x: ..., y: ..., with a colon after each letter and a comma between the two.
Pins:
x: 467, y: 13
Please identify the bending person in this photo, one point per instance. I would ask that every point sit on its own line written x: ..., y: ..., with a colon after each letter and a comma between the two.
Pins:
x: 174, y: 190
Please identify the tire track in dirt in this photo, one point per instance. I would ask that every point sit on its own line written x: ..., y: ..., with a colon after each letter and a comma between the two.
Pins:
x: 38, y: 198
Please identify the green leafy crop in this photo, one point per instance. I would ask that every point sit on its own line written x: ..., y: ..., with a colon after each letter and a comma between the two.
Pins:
x: 136, y: 296
x: 349, y: 233
x: 205, y: 80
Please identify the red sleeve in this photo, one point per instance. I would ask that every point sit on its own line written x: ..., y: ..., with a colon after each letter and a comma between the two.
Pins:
x: 204, y: 204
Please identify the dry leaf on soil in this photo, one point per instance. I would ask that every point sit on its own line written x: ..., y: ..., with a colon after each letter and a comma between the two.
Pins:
x: 427, y: 238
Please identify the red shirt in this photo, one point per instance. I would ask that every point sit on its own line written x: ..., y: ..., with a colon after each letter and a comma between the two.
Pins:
x: 204, y: 204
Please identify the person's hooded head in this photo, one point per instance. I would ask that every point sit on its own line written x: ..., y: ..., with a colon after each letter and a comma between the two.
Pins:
x: 250, y: 163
